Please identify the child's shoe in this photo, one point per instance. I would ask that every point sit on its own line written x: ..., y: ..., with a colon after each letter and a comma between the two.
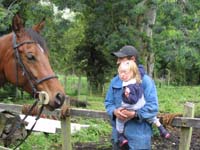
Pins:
x: 123, y: 142
x: 163, y: 132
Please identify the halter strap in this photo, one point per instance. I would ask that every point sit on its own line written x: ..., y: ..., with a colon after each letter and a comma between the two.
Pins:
x: 45, y: 78
x: 16, y: 45
x: 24, y: 69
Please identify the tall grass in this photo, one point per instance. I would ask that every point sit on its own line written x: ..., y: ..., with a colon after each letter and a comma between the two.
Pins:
x: 71, y: 83
x: 171, y: 98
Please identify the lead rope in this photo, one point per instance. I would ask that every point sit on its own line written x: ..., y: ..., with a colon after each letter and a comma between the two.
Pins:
x: 43, y: 97
x: 31, y: 130
x: 15, y: 128
x: 23, y: 120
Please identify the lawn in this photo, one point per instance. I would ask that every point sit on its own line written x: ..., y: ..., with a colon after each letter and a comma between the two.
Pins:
x: 171, y: 100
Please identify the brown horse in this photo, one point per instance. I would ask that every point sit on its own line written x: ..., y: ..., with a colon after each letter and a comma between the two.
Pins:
x: 24, y: 62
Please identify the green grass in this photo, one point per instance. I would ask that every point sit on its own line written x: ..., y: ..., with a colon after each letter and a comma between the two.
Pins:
x: 97, y: 129
x: 71, y: 82
x: 41, y: 141
x: 171, y: 100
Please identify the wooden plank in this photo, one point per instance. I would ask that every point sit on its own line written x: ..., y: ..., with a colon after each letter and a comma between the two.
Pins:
x: 186, y: 122
x: 80, y: 113
x: 73, y: 111
x: 178, y: 121
x: 89, y: 113
x: 186, y: 132
x: 11, y: 107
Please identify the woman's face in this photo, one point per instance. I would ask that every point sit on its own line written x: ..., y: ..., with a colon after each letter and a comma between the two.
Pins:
x: 122, y: 59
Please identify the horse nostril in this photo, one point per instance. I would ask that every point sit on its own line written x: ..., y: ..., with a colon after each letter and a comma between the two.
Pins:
x: 59, y: 99
x: 58, y: 96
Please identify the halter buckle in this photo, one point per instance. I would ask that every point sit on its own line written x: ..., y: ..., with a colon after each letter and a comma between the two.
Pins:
x: 43, y: 97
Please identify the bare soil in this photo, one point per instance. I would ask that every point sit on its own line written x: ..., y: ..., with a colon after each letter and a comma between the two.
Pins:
x: 158, y: 142
x: 173, y: 142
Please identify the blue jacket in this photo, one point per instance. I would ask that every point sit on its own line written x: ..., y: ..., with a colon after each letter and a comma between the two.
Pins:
x: 137, y: 131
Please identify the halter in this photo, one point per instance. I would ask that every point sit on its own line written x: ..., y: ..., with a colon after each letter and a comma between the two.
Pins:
x: 32, y: 80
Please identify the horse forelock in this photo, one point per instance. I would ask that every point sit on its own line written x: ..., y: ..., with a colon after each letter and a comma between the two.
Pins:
x: 37, y: 38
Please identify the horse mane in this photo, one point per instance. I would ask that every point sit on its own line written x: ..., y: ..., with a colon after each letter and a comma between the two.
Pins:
x: 37, y: 38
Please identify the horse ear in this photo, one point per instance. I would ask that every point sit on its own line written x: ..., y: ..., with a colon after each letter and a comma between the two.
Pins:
x: 17, y: 24
x: 38, y: 27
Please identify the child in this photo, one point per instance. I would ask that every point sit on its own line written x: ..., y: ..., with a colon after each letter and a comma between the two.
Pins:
x: 133, y: 98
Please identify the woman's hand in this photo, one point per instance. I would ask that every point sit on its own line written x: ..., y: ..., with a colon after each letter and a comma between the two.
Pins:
x: 118, y: 113
x: 129, y: 114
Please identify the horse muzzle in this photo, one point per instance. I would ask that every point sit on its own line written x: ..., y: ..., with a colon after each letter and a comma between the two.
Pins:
x: 51, y: 103
x: 59, y: 100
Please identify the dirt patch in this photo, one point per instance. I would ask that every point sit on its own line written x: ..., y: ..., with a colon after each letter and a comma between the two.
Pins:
x: 173, y: 143
x: 158, y: 142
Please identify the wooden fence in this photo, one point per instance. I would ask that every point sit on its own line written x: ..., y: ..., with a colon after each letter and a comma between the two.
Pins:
x: 186, y: 123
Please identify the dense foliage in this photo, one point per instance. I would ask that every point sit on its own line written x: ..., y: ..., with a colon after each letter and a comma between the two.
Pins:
x: 176, y: 42
x: 82, y: 43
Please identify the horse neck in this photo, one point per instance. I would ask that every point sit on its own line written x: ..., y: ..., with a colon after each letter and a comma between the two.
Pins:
x: 5, y: 46
x: 5, y: 54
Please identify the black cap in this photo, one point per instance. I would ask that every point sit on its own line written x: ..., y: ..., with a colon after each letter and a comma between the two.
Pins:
x: 125, y: 51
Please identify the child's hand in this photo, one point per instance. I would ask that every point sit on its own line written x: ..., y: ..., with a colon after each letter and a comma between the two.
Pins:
x: 126, y: 92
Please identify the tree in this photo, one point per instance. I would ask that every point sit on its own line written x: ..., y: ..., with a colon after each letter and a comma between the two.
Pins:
x: 164, y: 32
x: 111, y: 25
x: 175, y: 41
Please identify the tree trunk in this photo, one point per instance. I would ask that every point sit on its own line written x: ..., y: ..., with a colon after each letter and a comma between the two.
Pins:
x: 150, y: 16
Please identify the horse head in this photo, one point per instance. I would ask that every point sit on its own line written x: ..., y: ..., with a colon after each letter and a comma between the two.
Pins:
x: 28, y: 63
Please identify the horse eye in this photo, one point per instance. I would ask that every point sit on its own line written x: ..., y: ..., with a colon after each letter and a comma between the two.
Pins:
x: 30, y: 56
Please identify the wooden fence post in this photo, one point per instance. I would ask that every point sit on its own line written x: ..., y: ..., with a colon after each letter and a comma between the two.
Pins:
x: 186, y: 132
x: 66, y: 131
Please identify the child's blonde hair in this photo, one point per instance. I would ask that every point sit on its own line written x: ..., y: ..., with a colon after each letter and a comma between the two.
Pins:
x: 130, y: 65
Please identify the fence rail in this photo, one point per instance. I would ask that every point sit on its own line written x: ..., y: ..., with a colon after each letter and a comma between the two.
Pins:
x: 186, y: 123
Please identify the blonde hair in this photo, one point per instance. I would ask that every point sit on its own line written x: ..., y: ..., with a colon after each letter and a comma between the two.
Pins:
x: 130, y: 65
